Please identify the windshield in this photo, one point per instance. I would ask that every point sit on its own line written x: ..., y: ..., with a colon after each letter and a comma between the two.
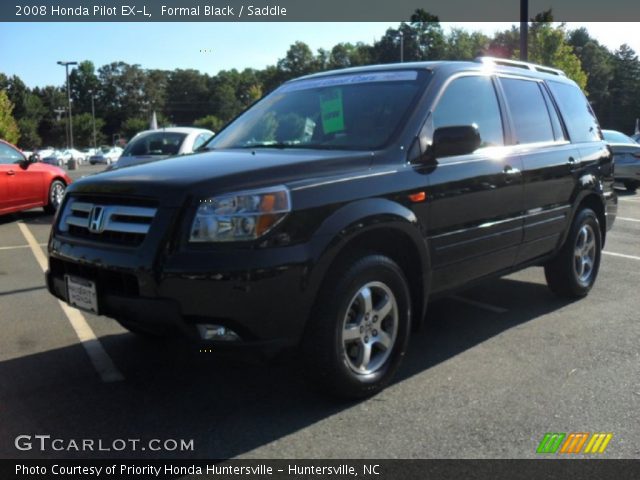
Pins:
x: 354, y: 111
x: 157, y: 143
x: 611, y: 136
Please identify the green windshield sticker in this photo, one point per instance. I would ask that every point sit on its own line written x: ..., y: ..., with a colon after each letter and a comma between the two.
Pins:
x: 332, y: 111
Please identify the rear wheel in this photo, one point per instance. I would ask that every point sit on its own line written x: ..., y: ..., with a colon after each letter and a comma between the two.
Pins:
x: 631, y: 186
x: 573, y: 271
x: 359, y: 330
x: 56, y: 194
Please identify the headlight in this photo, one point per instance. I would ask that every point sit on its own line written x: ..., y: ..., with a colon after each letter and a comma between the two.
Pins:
x: 240, y: 216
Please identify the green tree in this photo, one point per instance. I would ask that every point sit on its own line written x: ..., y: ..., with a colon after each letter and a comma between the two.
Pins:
x: 598, y: 61
x: 29, y: 137
x: 51, y: 127
x: 131, y: 126
x: 463, y: 45
x: 84, y: 83
x: 187, y: 96
x: 8, y: 126
x: 298, y: 61
x: 210, y: 122
x: 505, y: 44
x: 83, y: 130
x: 625, y: 85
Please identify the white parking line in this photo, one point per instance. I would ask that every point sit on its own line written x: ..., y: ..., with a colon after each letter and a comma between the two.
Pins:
x: 101, y: 361
x: 15, y: 247
x: 627, y: 219
x: 621, y: 255
x: 484, y: 306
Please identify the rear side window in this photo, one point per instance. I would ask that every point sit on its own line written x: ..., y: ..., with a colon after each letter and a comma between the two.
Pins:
x: 201, y: 140
x: 157, y: 143
x: 471, y: 101
x: 528, y: 111
x: 579, y: 118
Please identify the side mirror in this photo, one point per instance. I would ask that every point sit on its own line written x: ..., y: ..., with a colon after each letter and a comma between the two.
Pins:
x: 458, y: 140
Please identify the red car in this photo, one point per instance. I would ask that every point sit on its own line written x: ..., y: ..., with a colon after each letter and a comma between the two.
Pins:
x: 25, y: 184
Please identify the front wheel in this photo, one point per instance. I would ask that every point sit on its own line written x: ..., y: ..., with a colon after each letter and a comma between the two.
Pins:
x: 359, y: 330
x: 631, y: 186
x: 573, y: 271
x: 56, y: 194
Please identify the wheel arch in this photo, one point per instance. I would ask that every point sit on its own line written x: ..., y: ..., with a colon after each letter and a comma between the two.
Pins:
x: 595, y: 202
x: 375, y: 226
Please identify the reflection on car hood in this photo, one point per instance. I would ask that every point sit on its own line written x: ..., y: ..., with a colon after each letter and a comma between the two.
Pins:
x: 204, y: 173
x: 138, y: 160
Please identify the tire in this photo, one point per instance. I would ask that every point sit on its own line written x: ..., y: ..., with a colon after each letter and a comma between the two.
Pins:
x: 56, y: 193
x: 141, y: 331
x: 631, y: 186
x: 345, y: 325
x: 572, y: 273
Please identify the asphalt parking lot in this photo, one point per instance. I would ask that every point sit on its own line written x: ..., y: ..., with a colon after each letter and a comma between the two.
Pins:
x: 497, y: 367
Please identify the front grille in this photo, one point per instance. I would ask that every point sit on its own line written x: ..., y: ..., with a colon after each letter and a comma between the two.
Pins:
x: 108, y: 281
x: 122, y: 224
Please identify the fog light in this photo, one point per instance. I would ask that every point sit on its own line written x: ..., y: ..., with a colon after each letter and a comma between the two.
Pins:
x: 217, y: 332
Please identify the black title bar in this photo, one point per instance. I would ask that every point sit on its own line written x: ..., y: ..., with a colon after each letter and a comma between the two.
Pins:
x: 308, y: 10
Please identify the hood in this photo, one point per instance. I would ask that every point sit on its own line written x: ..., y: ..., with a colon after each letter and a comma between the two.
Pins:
x: 208, y: 173
x: 130, y: 161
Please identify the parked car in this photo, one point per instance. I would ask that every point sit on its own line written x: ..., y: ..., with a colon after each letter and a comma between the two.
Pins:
x: 152, y: 145
x: 89, y: 152
x: 626, y: 154
x: 46, y: 152
x: 72, y: 153
x: 60, y: 158
x: 27, y: 183
x: 330, y: 212
x: 55, y: 158
x: 106, y: 156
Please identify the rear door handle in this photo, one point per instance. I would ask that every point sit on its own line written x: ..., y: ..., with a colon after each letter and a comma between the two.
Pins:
x: 11, y: 172
x: 511, y: 173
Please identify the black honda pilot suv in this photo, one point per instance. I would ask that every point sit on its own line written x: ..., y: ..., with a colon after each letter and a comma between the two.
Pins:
x: 330, y: 212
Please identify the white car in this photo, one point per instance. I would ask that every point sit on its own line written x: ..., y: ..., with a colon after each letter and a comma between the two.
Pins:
x: 77, y: 155
x: 152, y: 145
x: 46, y: 152
x: 106, y: 156
x: 60, y: 158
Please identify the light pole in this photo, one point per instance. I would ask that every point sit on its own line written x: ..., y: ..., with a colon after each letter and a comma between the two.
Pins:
x: 524, y: 29
x: 401, y: 34
x: 66, y: 67
x: 93, y: 119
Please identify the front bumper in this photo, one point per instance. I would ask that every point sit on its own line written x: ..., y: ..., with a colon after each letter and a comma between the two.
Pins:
x: 256, y: 293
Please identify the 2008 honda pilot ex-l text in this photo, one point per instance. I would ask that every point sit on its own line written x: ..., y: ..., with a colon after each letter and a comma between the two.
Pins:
x: 327, y: 214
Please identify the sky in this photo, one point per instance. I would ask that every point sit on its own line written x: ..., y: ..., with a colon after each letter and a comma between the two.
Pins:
x: 30, y: 50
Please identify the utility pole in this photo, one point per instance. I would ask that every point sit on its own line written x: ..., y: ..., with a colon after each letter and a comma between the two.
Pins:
x: 93, y: 118
x: 66, y: 67
x: 524, y: 30
x: 401, y: 33
x: 59, y: 112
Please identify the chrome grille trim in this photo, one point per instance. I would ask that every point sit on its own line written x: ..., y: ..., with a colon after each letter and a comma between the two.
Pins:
x: 78, y: 214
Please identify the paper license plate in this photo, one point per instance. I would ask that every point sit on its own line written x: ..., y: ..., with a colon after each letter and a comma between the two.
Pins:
x: 82, y: 293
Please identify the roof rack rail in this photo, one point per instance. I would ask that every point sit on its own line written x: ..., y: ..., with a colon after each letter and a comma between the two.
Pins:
x: 519, y: 64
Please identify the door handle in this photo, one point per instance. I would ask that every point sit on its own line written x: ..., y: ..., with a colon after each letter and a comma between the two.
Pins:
x: 573, y: 163
x: 510, y: 173
x: 11, y: 172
